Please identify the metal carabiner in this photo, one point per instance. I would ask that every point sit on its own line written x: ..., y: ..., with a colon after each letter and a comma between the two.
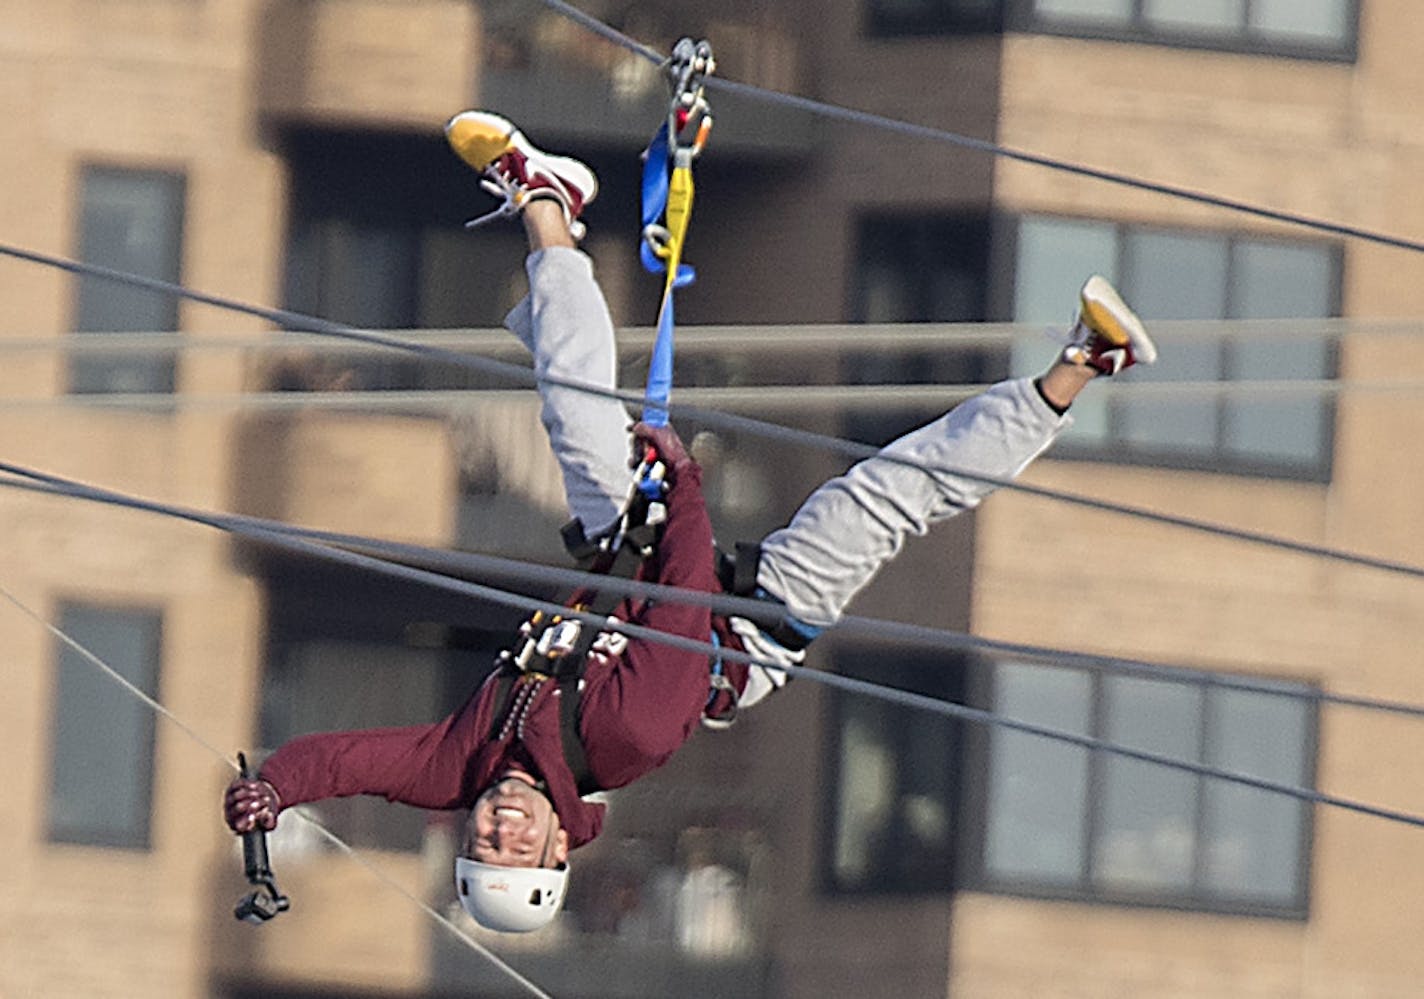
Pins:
x: 659, y: 240
x: 689, y: 117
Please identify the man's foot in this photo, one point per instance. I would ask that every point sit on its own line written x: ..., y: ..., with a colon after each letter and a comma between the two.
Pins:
x: 1107, y: 336
x: 518, y: 172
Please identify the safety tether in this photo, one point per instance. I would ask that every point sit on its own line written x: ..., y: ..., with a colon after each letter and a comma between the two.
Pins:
x: 667, y: 203
x: 554, y: 647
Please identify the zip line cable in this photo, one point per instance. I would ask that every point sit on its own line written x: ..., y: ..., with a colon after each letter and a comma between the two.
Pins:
x: 760, y: 428
x: 606, y: 31
x: 781, y: 399
x: 774, y: 431
x: 1093, y: 173
x: 293, y: 320
x: 768, y: 396
x: 446, y: 563
x: 286, y: 541
x: 850, y: 684
x: 850, y: 625
x: 161, y: 710
x: 948, y: 337
x: 885, y: 123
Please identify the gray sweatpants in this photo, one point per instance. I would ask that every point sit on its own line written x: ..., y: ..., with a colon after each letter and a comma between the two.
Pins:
x: 849, y: 527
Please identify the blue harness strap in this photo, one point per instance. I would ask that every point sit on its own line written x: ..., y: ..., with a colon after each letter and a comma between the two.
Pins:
x: 667, y: 192
x: 659, y: 248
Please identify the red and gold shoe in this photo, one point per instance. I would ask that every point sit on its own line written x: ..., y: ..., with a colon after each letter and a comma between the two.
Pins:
x: 518, y: 172
x: 1107, y: 335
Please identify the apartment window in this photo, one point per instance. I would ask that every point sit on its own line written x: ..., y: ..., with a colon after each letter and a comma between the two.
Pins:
x: 1293, y: 27
x: 130, y: 221
x: 101, y: 747
x: 1064, y: 821
x: 933, y: 17
x: 916, y: 269
x: 892, y: 809
x: 377, y: 242
x: 1178, y: 274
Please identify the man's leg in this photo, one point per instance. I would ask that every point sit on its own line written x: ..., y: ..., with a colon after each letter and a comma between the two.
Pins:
x: 565, y: 323
x: 851, y: 526
x: 564, y: 320
x: 854, y: 524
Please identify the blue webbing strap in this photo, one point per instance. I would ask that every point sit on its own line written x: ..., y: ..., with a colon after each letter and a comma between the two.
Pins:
x: 657, y: 172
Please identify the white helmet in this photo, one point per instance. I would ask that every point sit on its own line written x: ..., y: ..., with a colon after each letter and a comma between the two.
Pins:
x: 510, y: 899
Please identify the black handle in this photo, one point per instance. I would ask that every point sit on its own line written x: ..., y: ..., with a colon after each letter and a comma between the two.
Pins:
x: 265, y: 903
x: 255, y: 863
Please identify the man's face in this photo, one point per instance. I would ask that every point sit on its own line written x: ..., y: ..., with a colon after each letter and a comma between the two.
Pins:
x: 513, y: 825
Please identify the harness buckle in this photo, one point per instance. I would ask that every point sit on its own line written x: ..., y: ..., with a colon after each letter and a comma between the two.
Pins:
x: 558, y: 638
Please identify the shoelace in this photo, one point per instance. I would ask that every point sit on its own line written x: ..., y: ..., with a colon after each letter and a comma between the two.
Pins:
x: 513, y: 197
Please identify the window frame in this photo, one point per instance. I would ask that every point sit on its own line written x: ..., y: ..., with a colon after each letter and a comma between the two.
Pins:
x: 958, y: 684
x: 974, y: 807
x: 961, y: 242
x: 85, y: 376
x: 1023, y: 16
x: 140, y: 837
x: 1114, y: 448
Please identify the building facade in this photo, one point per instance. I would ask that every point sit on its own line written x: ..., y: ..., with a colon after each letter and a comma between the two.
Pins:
x: 288, y: 152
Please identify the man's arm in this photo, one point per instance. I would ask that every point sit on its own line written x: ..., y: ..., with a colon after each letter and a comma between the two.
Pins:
x: 684, y: 556
x: 653, y: 695
x: 422, y: 765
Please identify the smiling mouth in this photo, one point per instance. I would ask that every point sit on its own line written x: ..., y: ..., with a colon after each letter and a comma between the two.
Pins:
x: 510, y: 812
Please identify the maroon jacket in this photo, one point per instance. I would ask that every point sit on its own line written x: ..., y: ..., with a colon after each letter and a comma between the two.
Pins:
x: 641, y: 701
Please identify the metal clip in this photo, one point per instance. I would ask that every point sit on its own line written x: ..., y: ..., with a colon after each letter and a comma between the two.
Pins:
x: 559, y: 638
x: 659, y: 240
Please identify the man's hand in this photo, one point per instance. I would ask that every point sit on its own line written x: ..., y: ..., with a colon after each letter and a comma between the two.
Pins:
x: 665, y: 442
x: 251, y: 803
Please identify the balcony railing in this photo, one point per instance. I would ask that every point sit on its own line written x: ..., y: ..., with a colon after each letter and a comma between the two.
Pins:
x: 383, y: 65
x: 554, y: 76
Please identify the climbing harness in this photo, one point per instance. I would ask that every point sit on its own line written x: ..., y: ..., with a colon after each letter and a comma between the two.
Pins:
x: 267, y: 901
x: 667, y: 202
x: 555, y: 648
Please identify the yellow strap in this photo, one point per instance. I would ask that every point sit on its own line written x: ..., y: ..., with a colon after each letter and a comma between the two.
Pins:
x: 677, y: 215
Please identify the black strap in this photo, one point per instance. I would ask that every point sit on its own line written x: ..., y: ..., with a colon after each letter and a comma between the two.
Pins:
x: 738, y: 576
x: 738, y: 573
x: 636, y: 544
x: 570, y: 668
x: 578, y: 544
x: 570, y: 703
